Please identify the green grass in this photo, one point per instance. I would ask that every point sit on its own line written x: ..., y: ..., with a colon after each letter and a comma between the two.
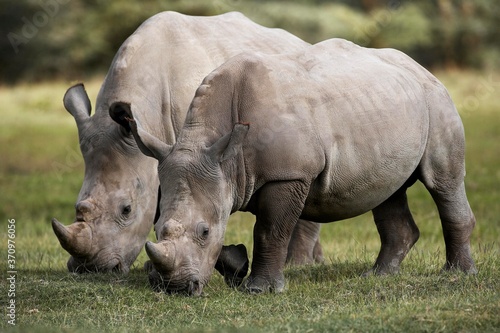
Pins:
x: 41, y: 172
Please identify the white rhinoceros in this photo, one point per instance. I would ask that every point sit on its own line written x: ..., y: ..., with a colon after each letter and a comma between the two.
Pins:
x: 157, y: 70
x: 323, y: 134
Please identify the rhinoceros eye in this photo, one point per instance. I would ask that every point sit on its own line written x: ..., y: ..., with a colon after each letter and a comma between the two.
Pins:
x: 126, y: 210
x: 203, y: 230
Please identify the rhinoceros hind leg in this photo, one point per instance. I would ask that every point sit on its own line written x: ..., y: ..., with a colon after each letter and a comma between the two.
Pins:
x: 304, y: 247
x: 442, y: 171
x: 457, y: 221
x: 398, y: 232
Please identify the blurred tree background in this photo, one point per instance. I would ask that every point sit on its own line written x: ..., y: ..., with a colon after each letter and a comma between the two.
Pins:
x: 72, y: 39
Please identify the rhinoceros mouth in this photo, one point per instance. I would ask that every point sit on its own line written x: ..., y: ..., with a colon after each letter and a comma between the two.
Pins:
x: 83, y: 266
x: 190, y: 286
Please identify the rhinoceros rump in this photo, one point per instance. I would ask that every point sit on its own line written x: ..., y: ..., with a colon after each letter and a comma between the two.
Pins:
x: 353, y: 128
x: 157, y: 70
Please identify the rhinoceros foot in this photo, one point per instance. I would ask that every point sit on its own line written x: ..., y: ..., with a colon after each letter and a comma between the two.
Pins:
x: 233, y: 264
x: 259, y: 285
x: 467, y: 267
x: 381, y: 270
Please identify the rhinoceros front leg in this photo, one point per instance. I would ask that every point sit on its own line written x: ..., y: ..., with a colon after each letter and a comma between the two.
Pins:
x: 232, y: 264
x: 304, y: 247
x: 278, y: 206
x: 398, y: 232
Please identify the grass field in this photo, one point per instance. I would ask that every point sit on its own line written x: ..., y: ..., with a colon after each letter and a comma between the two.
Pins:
x: 40, y: 175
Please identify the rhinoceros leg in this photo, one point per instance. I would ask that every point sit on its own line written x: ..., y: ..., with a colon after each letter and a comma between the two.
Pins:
x: 398, y: 232
x: 442, y: 170
x: 277, y: 207
x: 304, y: 247
x: 232, y: 264
x: 458, y: 221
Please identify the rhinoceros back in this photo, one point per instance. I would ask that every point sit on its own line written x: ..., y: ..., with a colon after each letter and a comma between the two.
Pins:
x: 158, y: 68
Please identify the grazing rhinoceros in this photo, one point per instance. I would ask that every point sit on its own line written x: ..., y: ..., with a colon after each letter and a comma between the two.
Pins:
x: 324, y: 134
x: 157, y: 70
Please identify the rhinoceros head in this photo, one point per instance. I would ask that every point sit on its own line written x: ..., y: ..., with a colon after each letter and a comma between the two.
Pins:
x: 117, y: 202
x: 196, y: 201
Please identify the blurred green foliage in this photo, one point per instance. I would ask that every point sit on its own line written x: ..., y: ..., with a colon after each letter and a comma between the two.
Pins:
x: 45, y: 39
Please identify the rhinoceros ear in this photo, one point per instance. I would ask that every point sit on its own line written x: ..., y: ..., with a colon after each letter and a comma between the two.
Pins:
x: 77, y: 102
x: 148, y: 144
x: 229, y: 145
x: 119, y: 111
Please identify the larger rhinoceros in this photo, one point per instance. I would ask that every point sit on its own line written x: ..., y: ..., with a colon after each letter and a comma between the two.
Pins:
x: 157, y: 70
x: 325, y: 134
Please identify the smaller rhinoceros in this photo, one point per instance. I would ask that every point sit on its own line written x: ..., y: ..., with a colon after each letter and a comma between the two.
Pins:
x: 324, y: 134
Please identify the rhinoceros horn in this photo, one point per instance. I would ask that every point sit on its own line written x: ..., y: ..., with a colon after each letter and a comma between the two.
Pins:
x: 76, y: 238
x: 161, y: 258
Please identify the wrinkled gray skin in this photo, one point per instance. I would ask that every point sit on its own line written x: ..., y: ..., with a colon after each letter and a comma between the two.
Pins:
x: 157, y: 71
x: 325, y: 134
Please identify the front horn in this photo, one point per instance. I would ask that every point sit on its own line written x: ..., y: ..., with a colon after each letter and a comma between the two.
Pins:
x: 162, y: 258
x: 76, y: 238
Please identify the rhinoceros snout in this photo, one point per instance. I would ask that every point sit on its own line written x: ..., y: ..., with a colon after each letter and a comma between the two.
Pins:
x: 82, y: 266
x: 164, y: 275
x: 194, y: 287
x: 191, y: 287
